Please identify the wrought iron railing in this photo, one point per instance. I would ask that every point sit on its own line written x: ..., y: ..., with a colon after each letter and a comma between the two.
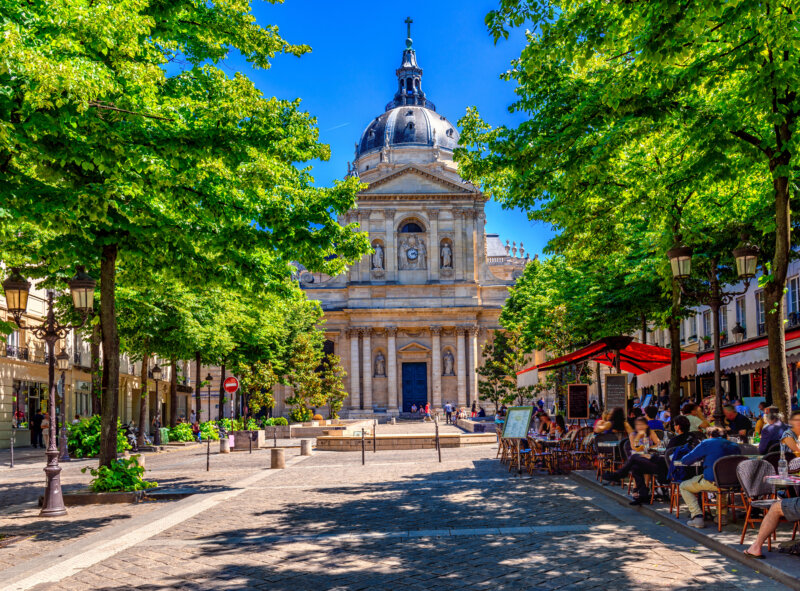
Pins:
x: 22, y: 353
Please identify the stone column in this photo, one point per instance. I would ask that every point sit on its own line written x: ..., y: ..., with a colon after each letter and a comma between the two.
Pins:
x: 458, y: 244
x: 469, y: 222
x: 473, y: 363
x: 461, y: 367
x: 390, y: 258
x: 367, y: 368
x: 355, y: 397
x: 433, y: 247
x: 480, y: 247
x: 436, y: 367
x: 391, y: 367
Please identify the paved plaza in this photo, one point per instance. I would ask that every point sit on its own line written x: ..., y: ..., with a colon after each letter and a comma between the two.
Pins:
x: 403, y: 521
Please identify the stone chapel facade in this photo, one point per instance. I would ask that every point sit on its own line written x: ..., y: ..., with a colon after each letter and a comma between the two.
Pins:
x: 409, y: 320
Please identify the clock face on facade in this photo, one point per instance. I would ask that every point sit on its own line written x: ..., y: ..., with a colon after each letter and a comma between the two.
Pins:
x: 412, y: 254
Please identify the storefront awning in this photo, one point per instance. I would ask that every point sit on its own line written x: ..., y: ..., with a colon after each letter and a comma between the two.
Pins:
x: 663, y: 374
x: 636, y: 358
x: 751, y: 354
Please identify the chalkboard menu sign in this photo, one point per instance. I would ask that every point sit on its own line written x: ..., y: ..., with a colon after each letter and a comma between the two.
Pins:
x: 616, y: 391
x: 578, y: 401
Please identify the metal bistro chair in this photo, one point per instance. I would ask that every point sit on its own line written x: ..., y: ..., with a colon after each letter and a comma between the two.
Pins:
x: 773, y: 458
x: 582, y: 451
x: 727, y: 483
x: 758, y: 493
x: 607, y: 457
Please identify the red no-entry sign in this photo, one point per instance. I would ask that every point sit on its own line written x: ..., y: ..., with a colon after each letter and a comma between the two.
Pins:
x: 230, y: 385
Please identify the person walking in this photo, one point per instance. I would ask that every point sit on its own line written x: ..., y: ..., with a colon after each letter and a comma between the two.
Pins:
x: 36, y: 429
x: 474, y: 409
x: 428, y: 410
x: 45, y: 430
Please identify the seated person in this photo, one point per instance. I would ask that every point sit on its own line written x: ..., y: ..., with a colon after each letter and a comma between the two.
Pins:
x: 559, y: 427
x: 709, y: 451
x: 196, y: 430
x: 602, y: 420
x: 639, y: 463
x: 772, y: 431
x: 740, y: 408
x: 762, y: 420
x: 616, y: 424
x: 737, y: 425
x: 790, y: 437
x: 695, y: 415
x: 652, y: 421
x: 545, y: 424
x: 482, y: 412
x: 789, y: 509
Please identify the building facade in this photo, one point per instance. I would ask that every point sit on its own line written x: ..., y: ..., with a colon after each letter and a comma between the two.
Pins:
x: 408, y: 321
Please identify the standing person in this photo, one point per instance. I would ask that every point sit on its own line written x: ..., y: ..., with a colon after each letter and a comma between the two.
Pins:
x: 428, y: 409
x: 448, y: 412
x: 46, y: 430
x: 594, y: 410
x: 709, y: 451
x: 36, y: 429
x: 474, y: 409
x: 193, y: 417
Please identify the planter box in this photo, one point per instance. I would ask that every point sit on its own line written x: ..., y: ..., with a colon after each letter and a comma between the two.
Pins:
x: 241, y: 439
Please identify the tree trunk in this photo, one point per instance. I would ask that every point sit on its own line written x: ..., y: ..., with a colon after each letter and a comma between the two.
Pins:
x: 600, y: 404
x: 773, y: 295
x: 220, y: 413
x: 97, y: 338
x: 675, y: 350
x: 110, y: 402
x: 143, y: 402
x: 197, y: 401
x: 644, y: 329
x: 173, y: 392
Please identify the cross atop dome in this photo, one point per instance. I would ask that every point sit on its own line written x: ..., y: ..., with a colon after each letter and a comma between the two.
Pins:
x: 409, y: 78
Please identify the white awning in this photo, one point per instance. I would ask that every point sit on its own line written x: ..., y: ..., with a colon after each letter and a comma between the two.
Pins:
x: 528, y: 378
x: 663, y: 374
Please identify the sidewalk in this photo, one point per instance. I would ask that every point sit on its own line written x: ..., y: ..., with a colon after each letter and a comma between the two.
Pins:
x: 781, y: 567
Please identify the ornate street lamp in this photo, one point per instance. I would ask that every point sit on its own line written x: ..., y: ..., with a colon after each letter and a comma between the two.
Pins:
x: 62, y: 363
x: 680, y: 258
x: 16, y: 289
x: 209, y: 378
x: 746, y: 261
x: 156, y: 371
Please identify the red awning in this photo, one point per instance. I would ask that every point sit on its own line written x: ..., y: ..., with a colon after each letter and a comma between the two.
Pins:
x: 746, y: 346
x: 635, y: 358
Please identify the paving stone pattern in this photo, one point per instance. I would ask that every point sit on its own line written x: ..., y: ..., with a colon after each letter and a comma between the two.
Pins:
x: 405, y: 521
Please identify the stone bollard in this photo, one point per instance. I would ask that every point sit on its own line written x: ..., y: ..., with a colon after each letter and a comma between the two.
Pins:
x: 305, y: 447
x: 278, y: 458
x: 224, y: 445
x: 394, y: 422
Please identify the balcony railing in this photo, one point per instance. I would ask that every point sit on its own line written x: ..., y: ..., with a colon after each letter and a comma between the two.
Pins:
x: 21, y: 353
x: 762, y: 328
x: 793, y: 319
x: 76, y: 358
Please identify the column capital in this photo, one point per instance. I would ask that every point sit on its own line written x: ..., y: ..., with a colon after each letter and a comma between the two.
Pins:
x: 351, y: 332
x: 391, y: 331
x: 474, y: 330
x: 365, y: 331
x: 389, y: 213
x: 433, y: 214
x: 436, y: 330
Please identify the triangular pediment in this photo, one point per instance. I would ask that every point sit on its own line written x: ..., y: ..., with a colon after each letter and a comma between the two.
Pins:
x: 412, y: 180
x: 414, y: 347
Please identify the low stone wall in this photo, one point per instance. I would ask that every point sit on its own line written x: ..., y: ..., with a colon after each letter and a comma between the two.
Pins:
x: 398, y: 442
x: 281, y: 431
x: 476, y: 426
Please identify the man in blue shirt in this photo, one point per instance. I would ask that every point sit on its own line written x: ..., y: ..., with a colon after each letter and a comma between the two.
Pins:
x: 652, y: 421
x: 709, y: 451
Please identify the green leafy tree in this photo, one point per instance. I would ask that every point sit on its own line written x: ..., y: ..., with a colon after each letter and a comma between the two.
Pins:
x: 332, y: 375
x: 134, y: 146
x: 304, y: 377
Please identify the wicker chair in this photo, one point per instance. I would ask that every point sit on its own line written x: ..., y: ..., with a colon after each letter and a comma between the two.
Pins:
x: 582, y: 452
x: 757, y: 492
x: 727, y: 483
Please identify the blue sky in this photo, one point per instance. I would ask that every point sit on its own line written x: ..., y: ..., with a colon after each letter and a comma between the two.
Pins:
x: 349, y: 76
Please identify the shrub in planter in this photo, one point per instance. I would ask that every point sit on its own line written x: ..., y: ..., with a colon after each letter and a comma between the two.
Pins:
x: 83, y: 439
x: 208, y: 430
x: 124, y: 475
x: 317, y: 418
x: 300, y: 415
x: 181, y: 432
x: 252, y: 425
x: 276, y: 422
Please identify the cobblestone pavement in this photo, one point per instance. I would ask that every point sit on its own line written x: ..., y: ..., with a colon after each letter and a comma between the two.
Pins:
x: 404, y: 521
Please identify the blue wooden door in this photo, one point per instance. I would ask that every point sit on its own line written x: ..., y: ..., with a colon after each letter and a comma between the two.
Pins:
x: 415, y: 385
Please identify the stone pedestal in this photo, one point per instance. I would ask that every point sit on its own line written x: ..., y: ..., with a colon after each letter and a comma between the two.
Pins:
x: 278, y: 458
x: 305, y: 447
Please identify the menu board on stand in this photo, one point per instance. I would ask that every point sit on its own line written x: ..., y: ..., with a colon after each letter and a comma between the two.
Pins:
x: 616, y: 391
x: 578, y: 401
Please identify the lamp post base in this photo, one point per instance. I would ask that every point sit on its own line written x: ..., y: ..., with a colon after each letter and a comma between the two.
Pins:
x: 53, y: 505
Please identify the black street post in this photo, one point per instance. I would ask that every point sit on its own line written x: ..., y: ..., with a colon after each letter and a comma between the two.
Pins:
x: 157, y: 373
x: 209, y: 377
x: 62, y: 360
x: 16, y: 289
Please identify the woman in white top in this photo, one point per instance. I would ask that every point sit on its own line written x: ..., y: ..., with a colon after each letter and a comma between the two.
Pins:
x: 46, y: 430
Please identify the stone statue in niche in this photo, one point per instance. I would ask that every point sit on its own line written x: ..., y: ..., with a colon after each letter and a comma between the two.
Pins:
x: 446, y: 256
x: 448, y: 364
x: 377, y: 257
x: 412, y: 254
x: 380, y: 365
